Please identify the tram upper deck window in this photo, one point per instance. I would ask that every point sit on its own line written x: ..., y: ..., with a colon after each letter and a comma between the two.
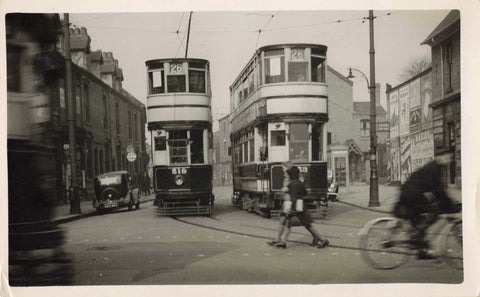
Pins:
x: 196, y: 81
x: 298, y: 65
x: 176, y: 79
x: 274, y: 66
x: 156, y: 82
x: 318, y: 69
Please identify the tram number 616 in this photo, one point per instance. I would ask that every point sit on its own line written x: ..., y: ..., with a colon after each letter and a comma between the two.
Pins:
x: 179, y: 170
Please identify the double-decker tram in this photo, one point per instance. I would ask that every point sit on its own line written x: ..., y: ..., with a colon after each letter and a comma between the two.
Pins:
x: 279, y: 113
x: 180, y: 122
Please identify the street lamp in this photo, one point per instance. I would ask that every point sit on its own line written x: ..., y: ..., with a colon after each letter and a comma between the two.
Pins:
x: 373, y: 141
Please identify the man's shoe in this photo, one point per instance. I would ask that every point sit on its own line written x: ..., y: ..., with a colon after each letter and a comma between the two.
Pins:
x: 323, y: 243
x: 282, y: 245
x: 315, y: 241
x: 423, y: 255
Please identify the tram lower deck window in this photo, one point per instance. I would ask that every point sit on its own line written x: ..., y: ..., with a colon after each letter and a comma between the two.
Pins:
x: 278, y: 138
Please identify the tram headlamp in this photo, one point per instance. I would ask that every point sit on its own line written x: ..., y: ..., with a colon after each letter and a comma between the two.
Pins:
x: 179, y: 180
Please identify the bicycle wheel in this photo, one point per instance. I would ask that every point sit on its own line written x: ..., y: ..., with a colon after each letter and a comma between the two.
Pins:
x: 452, y: 252
x: 383, y: 244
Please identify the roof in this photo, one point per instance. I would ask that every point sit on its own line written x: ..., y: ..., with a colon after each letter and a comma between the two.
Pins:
x: 113, y: 173
x: 363, y: 107
x: 96, y: 56
x: 107, y: 68
x: 339, y: 75
x: 449, y: 21
x: 353, y: 146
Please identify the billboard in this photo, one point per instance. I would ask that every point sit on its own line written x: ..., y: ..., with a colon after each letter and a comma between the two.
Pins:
x: 415, y: 116
x: 405, y: 158
x: 426, y: 100
x: 395, y: 159
x: 404, y: 110
x: 422, y: 148
x: 393, y: 113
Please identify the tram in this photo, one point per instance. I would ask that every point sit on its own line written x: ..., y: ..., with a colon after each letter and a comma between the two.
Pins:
x: 180, y: 123
x: 278, y: 113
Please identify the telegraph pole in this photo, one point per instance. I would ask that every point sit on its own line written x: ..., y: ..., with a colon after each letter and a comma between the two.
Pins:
x: 373, y: 121
x: 73, y: 190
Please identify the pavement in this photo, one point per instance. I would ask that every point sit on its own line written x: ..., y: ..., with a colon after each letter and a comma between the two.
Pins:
x: 357, y: 195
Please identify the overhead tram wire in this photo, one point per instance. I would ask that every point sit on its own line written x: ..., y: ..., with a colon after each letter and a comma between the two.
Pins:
x: 261, y: 30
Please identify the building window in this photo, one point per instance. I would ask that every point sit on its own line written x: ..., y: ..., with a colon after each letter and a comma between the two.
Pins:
x: 129, y: 124
x: 135, y: 127
x: 86, y: 99
x: 364, y: 128
x: 274, y: 66
x: 105, y: 112
x: 329, y: 138
x: 117, y: 117
x: 449, y: 67
x: 107, y: 157
x: 119, y: 158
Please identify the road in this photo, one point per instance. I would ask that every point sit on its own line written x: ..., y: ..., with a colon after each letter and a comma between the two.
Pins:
x: 139, y: 247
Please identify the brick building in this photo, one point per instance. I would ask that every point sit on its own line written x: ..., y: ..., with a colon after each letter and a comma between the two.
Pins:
x: 107, y: 119
x: 223, y: 159
x: 446, y: 96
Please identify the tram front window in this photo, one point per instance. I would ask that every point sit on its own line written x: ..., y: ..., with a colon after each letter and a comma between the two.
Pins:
x: 278, y: 138
x: 178, y: 147
x: 299, y: 142
x: 176, y: 83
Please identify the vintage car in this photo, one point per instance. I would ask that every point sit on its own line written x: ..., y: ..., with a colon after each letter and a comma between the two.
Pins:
x: 115, y: 189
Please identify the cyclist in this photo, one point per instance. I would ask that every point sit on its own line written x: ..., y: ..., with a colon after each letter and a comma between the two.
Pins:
x: 422, y: 199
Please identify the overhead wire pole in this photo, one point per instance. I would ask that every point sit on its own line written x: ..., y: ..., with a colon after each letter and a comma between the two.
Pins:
x: 373, y: 121
x: 188, y: 33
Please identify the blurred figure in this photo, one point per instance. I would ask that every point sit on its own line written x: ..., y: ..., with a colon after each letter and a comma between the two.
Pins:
x: 36, y: 256
x: 422, y: 199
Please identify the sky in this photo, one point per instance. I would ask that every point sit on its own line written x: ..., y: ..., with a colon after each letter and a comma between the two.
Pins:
x: 228, y: 39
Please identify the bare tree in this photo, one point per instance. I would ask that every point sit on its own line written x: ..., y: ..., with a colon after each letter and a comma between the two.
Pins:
x: 416, y: 66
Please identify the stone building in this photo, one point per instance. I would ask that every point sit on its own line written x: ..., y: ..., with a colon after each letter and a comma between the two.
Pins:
x: 446, y: 96
x: 223, y: 159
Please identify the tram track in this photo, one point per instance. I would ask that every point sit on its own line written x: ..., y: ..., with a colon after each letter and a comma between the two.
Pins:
x: 253, y: 235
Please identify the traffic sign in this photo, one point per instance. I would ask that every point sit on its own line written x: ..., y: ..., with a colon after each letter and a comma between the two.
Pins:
x: 131, y: 157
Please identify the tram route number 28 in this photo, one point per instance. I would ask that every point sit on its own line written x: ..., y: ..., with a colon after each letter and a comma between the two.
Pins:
x: 179, y: 170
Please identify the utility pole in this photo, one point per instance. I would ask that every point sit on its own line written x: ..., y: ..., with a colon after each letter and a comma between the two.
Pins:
x: 373, y: 121
x: 188, y: 34
x: 73, y: 190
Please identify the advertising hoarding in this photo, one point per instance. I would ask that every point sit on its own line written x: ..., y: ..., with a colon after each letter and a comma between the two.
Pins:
x: 404, y: 110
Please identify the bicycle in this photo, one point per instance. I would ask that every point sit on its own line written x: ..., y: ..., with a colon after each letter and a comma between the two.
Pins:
x: 385, y: 242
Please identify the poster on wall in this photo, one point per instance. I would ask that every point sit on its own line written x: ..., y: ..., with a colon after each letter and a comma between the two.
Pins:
x: 405, y: 158
x: 393, y: 112
x: 422, y: 148
x: 404, y: 110
x: 395, y: 159
x: 426, y: 100
x: 415, y: 107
